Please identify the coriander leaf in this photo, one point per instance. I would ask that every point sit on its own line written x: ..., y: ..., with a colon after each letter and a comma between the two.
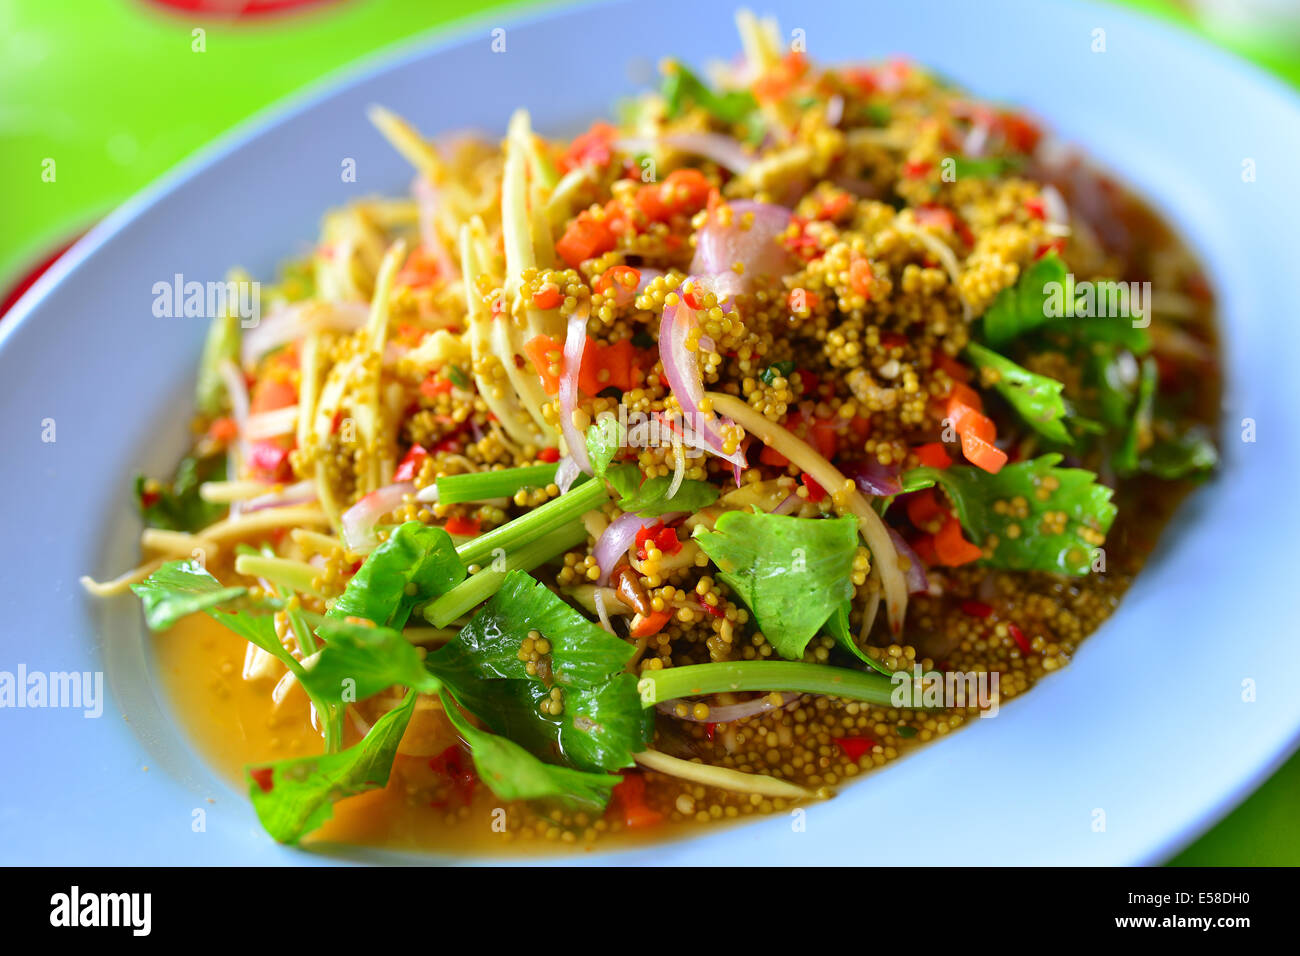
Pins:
x: 512, y: 773
x: 179, y: 588
x: 1023, y: 307
x: 650, y: 499
x: 176, y: 505
x: 416, y: 564
x: 600, y: 724
x: 1138, y: 432
x: 1036, y: 398
x: 604, y: 439
x: 683, y: 89
x: 1033, y: 515
x: 359, y: 660
x: 793, y: 573
x: 294, y: 797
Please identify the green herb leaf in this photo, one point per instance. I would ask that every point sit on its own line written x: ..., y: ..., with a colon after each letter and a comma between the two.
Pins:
x: 180, y: 588
x: 793, y: 573
x: 1191, y: 453
x: 601, y: 724
x: 984, y: 167
x: 1125, y: 458
x: 1036, y: 398
x: 604, y: 439
x: 176, y: 505
x: 650, y: 499
x: 776, y: 370
x: 512, y: 773
x: 294, y: 797
x: 221, y: 345
x: 416, y: 564
x: 838, y: 626
x: 683, y: 89
x: 1023, y: 307
x: 359, y: 660
x: 991, y: 506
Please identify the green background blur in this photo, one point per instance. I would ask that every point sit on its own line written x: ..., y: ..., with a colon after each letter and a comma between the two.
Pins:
x: 112, y: 92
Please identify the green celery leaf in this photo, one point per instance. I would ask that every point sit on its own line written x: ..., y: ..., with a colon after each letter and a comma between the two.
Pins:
x: 416, y: 564
x: 793, y: 573
x: 512, y: 773
x: 604, y: 439
x: 988, y: 507
x: 1036, y: 398
x: 602, y: 724
x: 359, y: 660
x: 176, y: 505
x: 221, y: 345
x: 294, y: 797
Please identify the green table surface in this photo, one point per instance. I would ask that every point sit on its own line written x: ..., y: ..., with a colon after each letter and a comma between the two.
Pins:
x: 113, y: 91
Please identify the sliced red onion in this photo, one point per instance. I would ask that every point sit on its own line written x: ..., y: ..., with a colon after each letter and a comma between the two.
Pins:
x: 1055, y: 212
x: 648, y: 275
x: 917, y: 582
x: 426, y: 199
x: 718, y: 248
x: 272, y: 424
x: 359, y: 521
x: 787, y: 505
x: 575, y: 343
x: 723, y: 150
x: 727, y: 713
x: 834, y: 110
x: 682, y: 370
x: 566, y: 473
x: 873, y: 478
x: 288, y: 323
x: 299, y: 493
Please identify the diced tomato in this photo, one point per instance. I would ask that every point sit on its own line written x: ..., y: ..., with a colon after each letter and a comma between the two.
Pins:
x: 1018, y: 636
x: 455, y: 765
x: 549, y: 455
x: 802, y: 302
x: 809, y: 380
x: 683, y: 193
x: 262, y: 776
x: 815, y: 491
x: 711, y: 609
x: 421, y: 268
x: 780, y: 79
x: 1035, y: 208
x: 1055, y: 245
x: 433, y: 386
x: 825, y: 437
x: 922, y: 508
x: 860, y: 77
x: 621, y: 361
x: 1022, y: 134
x: 618, y: 282
x: 592, y: 148
x: 269, y: 459
x: 630, y: 797
x: 939, y: 216
x: 646, y: 535
x: 933, y: 455
x: 224, y: 430
x: 586, y: 238
x: 955, y: 370
x: 462, y: 527
x: 915, y: 169
x: 854, y: 747
x: 272, y: 393
x: 951, y: 548
x: 651, y: 624
x: 538, y: 350
x: 666, y: 541
x: 770, y: 456
x: 977, y: 609
x: 861, y: 278
x: 547, y: 297
x: 411, y: 464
